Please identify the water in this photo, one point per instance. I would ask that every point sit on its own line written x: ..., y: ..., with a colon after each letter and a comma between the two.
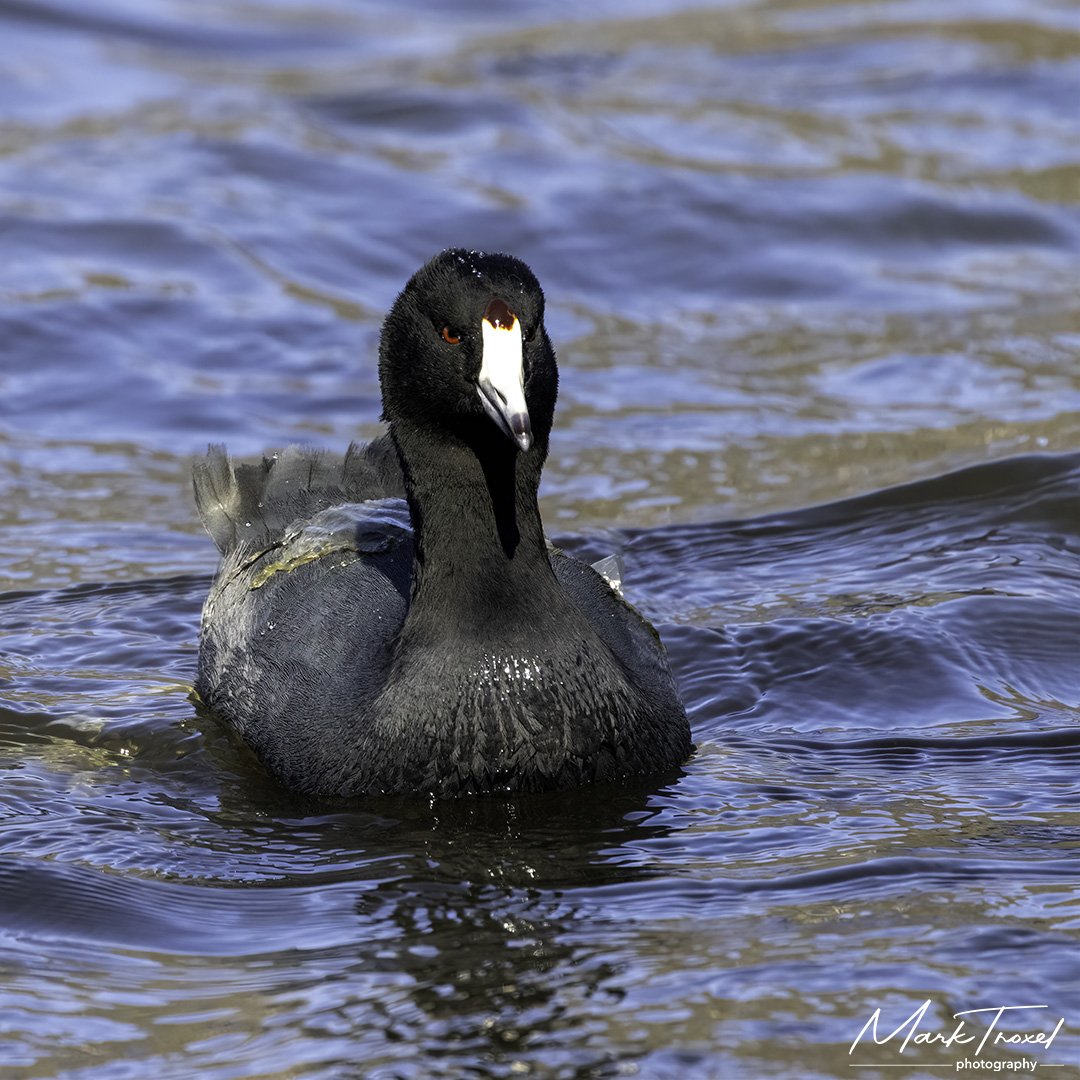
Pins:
x: 812, y: 270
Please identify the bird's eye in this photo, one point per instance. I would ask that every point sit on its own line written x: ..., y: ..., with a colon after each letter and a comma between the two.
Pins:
x: 450, y: 337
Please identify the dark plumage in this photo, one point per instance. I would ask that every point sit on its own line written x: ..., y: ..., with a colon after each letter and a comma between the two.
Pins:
x: 362, y: 646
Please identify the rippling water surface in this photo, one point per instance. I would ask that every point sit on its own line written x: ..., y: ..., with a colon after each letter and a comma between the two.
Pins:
x: 813, y: 272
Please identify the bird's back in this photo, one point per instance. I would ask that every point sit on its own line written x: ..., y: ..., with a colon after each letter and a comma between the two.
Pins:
x: 298, y: 627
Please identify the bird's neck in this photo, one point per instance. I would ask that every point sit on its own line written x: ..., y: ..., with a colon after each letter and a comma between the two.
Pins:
x: 479, y: 547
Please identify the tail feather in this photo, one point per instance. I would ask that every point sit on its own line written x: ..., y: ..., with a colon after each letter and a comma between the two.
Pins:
x: 252, y: 505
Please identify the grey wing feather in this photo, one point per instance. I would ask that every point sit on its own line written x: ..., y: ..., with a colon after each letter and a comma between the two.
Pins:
x: 252, y: 506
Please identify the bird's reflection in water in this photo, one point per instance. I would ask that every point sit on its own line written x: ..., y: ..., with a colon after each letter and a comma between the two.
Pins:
x: 471, y: 929
x: 486, y: 923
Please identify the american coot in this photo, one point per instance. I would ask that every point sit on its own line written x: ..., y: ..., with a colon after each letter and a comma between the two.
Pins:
x: 361, y: 644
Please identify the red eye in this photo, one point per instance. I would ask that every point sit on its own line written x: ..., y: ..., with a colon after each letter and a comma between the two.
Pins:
x: 449, y: 337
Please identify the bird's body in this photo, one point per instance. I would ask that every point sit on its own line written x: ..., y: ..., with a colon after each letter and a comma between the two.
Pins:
x: 363, y: 644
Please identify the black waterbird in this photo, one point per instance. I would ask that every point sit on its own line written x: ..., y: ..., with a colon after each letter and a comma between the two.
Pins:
x: 361, y: 644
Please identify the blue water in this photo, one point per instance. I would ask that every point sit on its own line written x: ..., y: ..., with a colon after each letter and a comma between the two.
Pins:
x: 812, y: 274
